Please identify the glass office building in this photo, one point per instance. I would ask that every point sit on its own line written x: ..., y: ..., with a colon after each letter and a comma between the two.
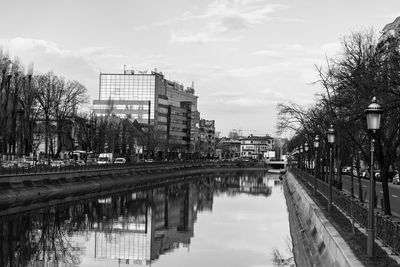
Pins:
x: 127, y: 96
x: 150, y: 99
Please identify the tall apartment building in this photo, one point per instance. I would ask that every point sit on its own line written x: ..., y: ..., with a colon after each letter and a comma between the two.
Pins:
x: 165, y: 106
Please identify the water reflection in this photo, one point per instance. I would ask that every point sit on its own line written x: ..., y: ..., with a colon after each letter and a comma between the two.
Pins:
x: 129, y: 228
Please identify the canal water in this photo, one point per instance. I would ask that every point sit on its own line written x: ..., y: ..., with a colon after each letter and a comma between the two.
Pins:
x: 237, y: 219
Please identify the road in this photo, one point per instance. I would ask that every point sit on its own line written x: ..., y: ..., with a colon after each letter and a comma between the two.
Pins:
x: 394, y: 192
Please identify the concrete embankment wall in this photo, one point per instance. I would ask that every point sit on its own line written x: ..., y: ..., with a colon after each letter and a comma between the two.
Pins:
x: 323, y: 244
x: 45, y: 189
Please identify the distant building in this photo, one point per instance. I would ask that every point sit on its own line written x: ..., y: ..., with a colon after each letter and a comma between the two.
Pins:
x: 207, y: 138
x: 228, y: 148
x: 390, y: 36
x: 165, y: 107
x: 256, y: 147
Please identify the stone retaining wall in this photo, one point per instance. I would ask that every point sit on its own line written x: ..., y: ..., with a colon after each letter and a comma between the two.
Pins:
x: 330, y: 248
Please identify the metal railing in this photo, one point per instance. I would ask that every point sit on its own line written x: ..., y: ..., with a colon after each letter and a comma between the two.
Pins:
x: 41, y: 169
x: 387, y: 230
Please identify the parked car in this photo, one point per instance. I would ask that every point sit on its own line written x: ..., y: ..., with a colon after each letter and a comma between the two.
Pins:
x: 396, y: 178
x: 377, y: 174
x: 8, y: 164
x: 91, y: 161
x: 80, y: 162
x: 346, y: 170
x: 57, y: 163
x: 119, y: 161
x: 24, y: 165
x: 69, y: 162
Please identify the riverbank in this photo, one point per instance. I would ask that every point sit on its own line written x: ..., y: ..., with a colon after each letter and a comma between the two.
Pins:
x: 351, y: 237
x: 316, y: 241
x: 14, y: 197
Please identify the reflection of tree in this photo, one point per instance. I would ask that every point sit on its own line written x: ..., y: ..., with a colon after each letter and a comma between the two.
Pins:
x: 36, y: 238
x: 46, y: 236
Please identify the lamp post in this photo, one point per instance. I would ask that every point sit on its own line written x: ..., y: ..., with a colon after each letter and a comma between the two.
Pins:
x: 306, y: 149
x: 36, y: 142
x: 373, y: 112
x: 298, y: 156
x: 301, y: 162
x: 20, y: 113
x: 331, y: 135
x: 88, y: 140
x: 316, y: 145
x: 307, y: 159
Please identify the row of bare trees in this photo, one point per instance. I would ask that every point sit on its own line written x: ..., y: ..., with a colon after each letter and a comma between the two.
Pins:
x: 366, y: 67
x: 41, y: 105
x: 42, y: 109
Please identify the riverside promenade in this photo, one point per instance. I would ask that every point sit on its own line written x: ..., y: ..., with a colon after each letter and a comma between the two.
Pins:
x: 346, y: 240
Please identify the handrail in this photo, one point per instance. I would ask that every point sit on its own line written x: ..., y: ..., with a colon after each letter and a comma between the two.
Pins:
x: 387, y: 230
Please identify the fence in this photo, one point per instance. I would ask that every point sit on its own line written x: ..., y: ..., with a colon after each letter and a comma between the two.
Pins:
x: 387, y: 230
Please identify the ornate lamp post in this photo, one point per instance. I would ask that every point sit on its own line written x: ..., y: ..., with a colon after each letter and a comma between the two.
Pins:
x: 316, y: 145
x: 36, y: 142
x: 306, y: 149
x: 88, y: 140
x: 20, y: 113
x: 301, y: 161
x: 331, y: 135
x: 307, y: 159
x: 373, y: 111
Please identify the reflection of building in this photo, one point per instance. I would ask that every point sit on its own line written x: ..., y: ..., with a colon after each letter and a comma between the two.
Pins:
x: 252, y: 185
x: 126, y: 237
x: 152, y: 100
x: 130, y: 228
x: 164, y: 220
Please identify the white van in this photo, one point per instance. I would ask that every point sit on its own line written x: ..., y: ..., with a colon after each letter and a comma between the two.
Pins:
x: 105, y: 158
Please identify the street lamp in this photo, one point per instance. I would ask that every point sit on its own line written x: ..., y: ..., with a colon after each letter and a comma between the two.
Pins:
x: 331, y: 135
x: 373, y: 112
x: 306, y: 159
x: 316, y: 145
x: 301, y: 161
x: 36, y: 142
x: 306, y: 149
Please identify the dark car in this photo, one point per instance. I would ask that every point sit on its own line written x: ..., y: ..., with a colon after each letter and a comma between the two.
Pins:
x: 346, y: 170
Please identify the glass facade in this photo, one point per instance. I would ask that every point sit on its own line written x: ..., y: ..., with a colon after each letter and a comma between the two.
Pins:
x: 121, y: 87
x: 127, y: 87
x: 129, y: 96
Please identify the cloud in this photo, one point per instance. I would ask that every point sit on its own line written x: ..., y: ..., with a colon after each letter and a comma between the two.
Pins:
x: 268, y: 53
x: 222, y: 17
x: 226, y: 93
x: 82, y: 65
x: 200, y: 38
x: 139, y: 28
x: 231, y: 15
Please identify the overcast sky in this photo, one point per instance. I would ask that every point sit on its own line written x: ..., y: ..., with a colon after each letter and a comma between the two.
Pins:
x: 244, y: 56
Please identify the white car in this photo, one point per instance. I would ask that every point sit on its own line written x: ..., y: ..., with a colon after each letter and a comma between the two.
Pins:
x: 119, y: 161
x: 57, y: 163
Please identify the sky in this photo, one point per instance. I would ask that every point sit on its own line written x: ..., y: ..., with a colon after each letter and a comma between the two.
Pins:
x: 244, y: 56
